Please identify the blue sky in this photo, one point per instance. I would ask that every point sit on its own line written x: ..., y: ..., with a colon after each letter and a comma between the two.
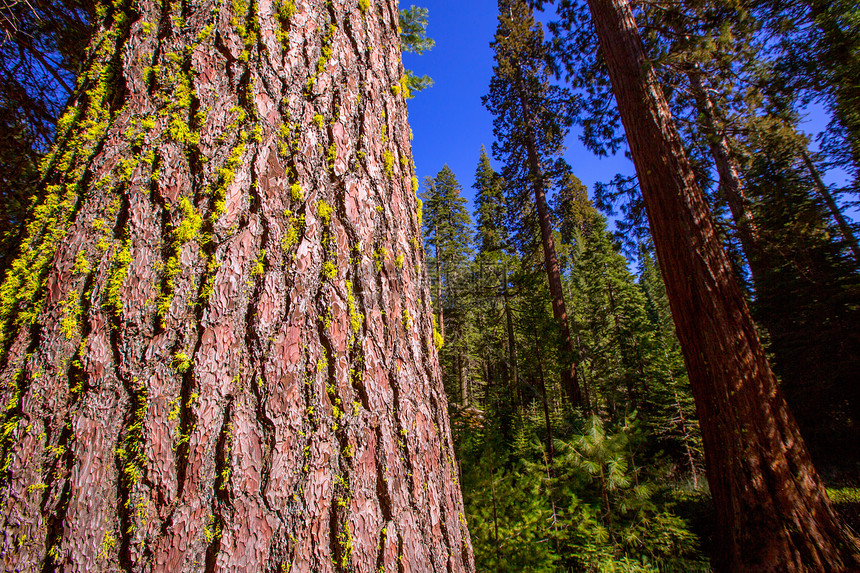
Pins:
x: 448, y: 122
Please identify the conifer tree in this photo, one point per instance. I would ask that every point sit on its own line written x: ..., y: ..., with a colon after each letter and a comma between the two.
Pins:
x: 491, y: 234
x: 752, y: 445
x: 802, y: 278
x: 447, y: 231
x: 530, y: 124
x: 741, y: 121
x: 674, y: 422
x: 820, y: 57
x: 494, y: 263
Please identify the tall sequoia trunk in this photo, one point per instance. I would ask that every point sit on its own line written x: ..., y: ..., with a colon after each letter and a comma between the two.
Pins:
x: 210, y: 359
x: 553, y: 271
x: 772, y: 511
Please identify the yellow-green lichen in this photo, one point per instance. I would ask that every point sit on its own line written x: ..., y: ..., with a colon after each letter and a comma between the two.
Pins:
x: 388, y: 159
x: 107, y: 546
x: 132, y: 454
x: 187, y: 230
x: 175, y: 408
x: 438, y: 341
x: 326, y: 318
x: 181, y: 362
x: 286, y: 9
x: 329, y: 270
x: 296, y: 192
x: 379, y: 256
x: 344, y: 539
x: 331, y: 156
x: 295, y: 228
x: 69, y: 325
x: 326, y: 49
x: 118, y: 273
x: 324, y: 212
x: 259, y: 264
x: 356, y: 319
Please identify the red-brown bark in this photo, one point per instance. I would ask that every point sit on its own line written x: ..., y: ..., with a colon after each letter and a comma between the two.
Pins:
x: 212, y: 360
x: 772, y: 511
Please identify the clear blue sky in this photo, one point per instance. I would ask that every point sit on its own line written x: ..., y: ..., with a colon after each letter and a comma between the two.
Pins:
x: 448, y: 122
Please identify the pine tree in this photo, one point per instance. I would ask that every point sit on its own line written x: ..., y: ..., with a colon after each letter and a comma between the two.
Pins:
x: 530, y: 124
x: 752, y: 445
x: 674, y: 421
x: 217, y: 342
x: 491, y: 211
x: 741, y: 121
x: 820, y: 56
x: 447, y: 231
x: 495, y: 319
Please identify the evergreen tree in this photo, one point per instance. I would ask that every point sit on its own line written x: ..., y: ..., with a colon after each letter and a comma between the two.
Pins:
x: 674, y: 426
x: 413, y: 38
x: 722, y: 78
x: 745, y: 422
x: 494, y: 287
x: 530, y: 122
x: 491, y: 211
x: 448, y: 235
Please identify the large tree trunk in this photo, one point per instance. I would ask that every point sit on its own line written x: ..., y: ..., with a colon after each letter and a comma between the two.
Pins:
x: 210, y: 361
x: 772, y: 511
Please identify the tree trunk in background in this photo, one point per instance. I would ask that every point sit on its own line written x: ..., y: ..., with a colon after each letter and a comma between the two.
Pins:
x: 844, y: 227
x: 210, y: 359
x: 730, y: 185
x: 441, y: 309
x: 550, y: 443
x: 772, y: 511
x: 512, y: 345
x: 462, y: 368
x: 553, y: 273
